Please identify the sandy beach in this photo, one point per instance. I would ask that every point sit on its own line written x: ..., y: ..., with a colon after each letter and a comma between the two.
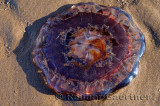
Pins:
x: 21, y: 85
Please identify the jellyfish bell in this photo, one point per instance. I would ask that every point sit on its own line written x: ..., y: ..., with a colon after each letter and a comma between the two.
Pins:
x: 89, y: 50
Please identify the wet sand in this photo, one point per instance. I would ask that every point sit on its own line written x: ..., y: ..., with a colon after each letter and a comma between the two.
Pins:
x: 20, y: 84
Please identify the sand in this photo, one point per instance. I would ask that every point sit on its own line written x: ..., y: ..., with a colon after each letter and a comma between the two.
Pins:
x: 20, y: 84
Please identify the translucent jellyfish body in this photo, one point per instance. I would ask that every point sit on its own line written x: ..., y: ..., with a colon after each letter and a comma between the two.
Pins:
x: 89, y: 50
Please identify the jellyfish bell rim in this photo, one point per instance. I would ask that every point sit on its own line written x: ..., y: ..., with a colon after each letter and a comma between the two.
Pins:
x: 126, y: 80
